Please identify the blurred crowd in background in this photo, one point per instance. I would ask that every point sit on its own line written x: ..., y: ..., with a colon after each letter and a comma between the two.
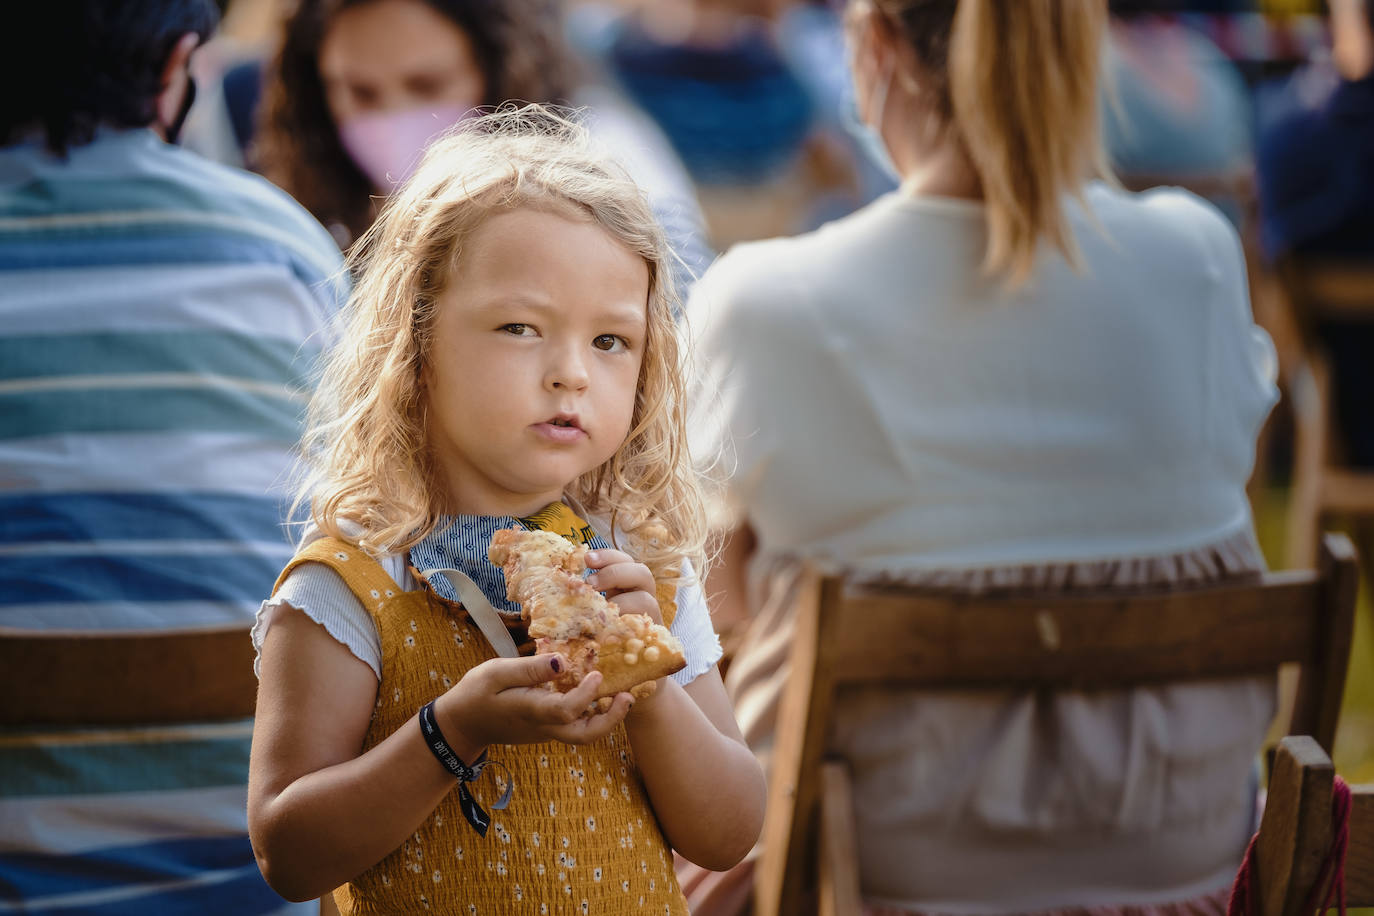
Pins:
x: 739, y: 120
x: 744, y: 105
x: 738, y: 116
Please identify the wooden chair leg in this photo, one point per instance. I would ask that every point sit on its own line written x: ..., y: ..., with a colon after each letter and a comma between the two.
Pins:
x: 838, y: 881
x: 1309, y: 460
x: 784, y: 878
x: 1276, y: 428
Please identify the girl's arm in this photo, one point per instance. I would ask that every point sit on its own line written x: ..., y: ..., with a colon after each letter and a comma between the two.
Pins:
x: 320, y: 811
x: 706, y: 785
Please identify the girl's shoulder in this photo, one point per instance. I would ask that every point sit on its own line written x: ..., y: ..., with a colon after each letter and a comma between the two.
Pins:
x: 343, y: 558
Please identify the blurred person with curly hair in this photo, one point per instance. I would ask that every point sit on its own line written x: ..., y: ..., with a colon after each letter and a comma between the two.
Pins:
x: 360, y: 87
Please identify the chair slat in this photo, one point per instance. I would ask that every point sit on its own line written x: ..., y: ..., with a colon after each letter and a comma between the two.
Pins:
x: 1359, y: 858
x: 1296, y: 826
x: 792, y: 790
x: 126, y: 677
x: 1347, y: 491
x: 838, y: 878
x: 1076, y: 642
x: 1335, y: 288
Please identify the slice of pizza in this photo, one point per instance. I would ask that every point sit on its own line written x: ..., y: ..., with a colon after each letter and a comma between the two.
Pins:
x: 544, y: 575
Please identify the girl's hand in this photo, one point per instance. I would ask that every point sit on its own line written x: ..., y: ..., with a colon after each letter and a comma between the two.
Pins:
x: 501, y: 701
x: 627, y: 584
x: 631, y: 587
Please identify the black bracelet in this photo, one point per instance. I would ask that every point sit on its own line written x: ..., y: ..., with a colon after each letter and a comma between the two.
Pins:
x: 439, y: 747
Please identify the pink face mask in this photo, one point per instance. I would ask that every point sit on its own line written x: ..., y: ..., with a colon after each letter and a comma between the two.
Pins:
x: 388, y: 145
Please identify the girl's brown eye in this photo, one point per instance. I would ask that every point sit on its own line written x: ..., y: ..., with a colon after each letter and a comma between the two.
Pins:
x: 609, y: 342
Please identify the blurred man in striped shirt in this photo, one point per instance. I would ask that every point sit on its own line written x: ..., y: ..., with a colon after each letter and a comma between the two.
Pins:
x: 159, y: 315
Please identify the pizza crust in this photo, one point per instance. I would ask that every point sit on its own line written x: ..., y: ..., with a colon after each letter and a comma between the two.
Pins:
x: 566, y: 615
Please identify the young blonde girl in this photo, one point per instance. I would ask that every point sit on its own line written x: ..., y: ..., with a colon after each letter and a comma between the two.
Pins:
x: 510, y: 355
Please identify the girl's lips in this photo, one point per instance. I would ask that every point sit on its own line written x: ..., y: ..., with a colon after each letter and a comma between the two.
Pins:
x: 559, y: 434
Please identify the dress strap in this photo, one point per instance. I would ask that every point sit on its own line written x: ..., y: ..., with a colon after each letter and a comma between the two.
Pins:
x: 364, y: 576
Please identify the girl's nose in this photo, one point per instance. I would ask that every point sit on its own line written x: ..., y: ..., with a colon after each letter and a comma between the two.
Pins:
x: 568, y: 370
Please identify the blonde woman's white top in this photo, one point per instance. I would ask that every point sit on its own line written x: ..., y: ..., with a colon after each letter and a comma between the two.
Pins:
x: 876, y: 404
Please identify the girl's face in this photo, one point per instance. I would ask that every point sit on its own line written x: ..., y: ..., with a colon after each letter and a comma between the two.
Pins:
x: 534, y: 360
x: 394, y: 55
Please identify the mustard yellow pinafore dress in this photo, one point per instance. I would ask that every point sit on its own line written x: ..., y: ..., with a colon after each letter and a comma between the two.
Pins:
x: 578, y: 836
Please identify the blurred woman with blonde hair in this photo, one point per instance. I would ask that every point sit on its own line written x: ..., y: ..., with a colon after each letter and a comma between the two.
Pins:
x: 1007, y: 374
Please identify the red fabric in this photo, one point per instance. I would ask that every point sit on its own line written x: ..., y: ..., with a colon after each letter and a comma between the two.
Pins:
x: 1330, y: 880
x: 1244, y: 895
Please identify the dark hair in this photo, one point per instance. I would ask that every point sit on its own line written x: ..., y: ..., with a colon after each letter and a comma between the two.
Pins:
x: 519, y: 46
x: 87, y: 63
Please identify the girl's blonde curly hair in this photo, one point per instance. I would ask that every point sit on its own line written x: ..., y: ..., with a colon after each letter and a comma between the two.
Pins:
x: 369, y: 476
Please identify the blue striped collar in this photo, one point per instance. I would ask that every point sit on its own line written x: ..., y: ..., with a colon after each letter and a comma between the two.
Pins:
x: 460, y: 542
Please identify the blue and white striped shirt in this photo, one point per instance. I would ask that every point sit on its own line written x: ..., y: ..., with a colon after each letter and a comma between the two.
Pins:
x: 160, y: 316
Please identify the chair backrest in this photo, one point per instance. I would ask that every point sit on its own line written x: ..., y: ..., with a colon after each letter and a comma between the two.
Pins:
x: 1329, y: 287
x: 901, y: 636
x: 68, y: 677
x: 128, y: 677
x: 1296, y: 832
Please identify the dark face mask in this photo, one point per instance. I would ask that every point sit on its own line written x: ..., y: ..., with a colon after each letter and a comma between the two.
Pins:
x: 174, y: 129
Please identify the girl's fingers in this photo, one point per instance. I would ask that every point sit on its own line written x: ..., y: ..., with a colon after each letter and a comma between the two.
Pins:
x: 638, y: 602
x: 627, y: 583
x: 580, y: 697
x: 622, y: 576
x: 529, y: 671
x: 595, y: 727
x: 606, y: 556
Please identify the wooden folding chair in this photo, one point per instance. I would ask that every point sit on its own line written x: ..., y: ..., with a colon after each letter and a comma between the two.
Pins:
x: 849, y: 636
x: 1322, y: 485
x: 1296, y: 834
x: 126, y: 677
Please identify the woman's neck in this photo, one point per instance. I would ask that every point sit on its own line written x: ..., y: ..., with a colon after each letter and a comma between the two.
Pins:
x: 927, y: 152
x: 944, y: 171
